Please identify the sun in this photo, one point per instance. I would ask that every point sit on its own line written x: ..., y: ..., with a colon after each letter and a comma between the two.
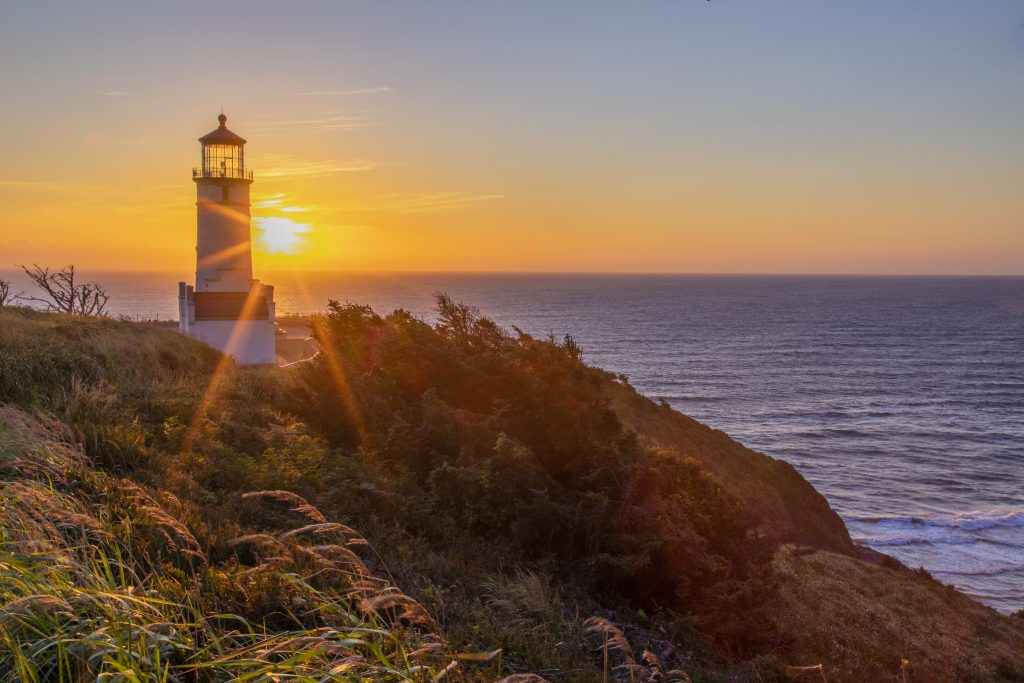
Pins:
x: 281, y: 235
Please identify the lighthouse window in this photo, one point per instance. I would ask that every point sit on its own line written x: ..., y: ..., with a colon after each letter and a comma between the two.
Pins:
x: 224, y: 194
x: 222, y: 161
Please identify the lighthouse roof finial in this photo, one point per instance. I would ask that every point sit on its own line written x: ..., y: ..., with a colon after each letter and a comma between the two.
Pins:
x: 222, y: 136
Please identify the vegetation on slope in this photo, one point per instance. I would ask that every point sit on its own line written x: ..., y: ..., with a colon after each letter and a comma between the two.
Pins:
x: 98, y: 579
x: 509, y: 488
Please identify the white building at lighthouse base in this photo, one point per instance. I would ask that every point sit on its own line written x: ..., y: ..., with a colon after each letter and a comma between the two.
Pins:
x: 241, y: 324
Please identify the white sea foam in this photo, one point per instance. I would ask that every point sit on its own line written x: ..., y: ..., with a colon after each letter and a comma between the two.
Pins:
x: 876, y: 541
x: 979, y: 543
x: 986, y: 571
x: 966, y: 521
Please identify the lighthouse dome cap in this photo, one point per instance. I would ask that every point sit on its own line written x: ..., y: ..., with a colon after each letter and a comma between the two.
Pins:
x: 221, y: 135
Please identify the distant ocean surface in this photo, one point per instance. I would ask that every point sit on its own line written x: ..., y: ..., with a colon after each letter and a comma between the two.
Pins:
x: 900, y: 398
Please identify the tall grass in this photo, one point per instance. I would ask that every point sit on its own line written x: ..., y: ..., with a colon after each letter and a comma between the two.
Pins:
x: 99, y: 581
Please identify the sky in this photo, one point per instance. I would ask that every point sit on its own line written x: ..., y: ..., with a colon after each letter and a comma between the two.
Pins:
x: 658, y: 136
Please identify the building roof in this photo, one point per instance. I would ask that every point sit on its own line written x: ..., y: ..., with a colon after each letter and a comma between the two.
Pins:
x: 222, y: 136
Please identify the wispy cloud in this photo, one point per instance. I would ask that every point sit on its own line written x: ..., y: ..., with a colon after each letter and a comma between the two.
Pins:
x: 112, y: 93
x: 264, y: 117
x: 330, y: 93
x: 387, y: 203
x: 314, y: 123
x: 270, y: 202
x: 421, y: 202
x: 314, y: 120
x: 45, y: 186
x: 282, y: 167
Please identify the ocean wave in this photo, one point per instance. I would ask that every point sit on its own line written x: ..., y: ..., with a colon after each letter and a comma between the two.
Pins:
x: 895, y: 541
x: 917, y: 540
x: 985, y: 571
x: 965, y: 521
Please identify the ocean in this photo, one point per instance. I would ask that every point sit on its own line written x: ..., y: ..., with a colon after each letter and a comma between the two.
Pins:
x: 901, y: 399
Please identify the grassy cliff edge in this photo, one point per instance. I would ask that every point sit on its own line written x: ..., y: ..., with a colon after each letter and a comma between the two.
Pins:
x: 508, y: 489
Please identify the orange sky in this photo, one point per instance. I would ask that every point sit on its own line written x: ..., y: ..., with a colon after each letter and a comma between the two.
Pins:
x: 405, y: 140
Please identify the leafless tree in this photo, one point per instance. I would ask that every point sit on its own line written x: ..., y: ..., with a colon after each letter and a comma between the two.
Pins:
x: 62, y: 294
x: 6, y: 295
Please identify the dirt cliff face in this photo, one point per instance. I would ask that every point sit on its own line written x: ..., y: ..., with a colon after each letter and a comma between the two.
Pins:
x: 784, y: 507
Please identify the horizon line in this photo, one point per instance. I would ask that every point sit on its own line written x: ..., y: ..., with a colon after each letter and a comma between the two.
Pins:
x: 651, y: 273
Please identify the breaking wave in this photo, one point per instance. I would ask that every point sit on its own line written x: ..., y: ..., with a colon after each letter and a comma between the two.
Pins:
x: 966, y: 521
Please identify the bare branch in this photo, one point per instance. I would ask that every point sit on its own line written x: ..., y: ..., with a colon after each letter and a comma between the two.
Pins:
x: 7, y: 295
x: 61, y: 294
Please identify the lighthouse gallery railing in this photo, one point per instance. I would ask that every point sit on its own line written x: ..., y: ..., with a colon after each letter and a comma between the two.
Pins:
x: 222, y: 173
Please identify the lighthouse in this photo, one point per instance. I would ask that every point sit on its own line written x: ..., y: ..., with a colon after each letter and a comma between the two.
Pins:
x: 226, y: 307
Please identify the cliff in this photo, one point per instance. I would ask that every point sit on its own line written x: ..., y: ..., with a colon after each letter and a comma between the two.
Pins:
x: 787, y: 509
x: 510, y: 490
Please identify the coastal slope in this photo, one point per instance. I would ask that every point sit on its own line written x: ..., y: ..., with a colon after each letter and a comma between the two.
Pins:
x: 509, y: 489
x: 787, y: 508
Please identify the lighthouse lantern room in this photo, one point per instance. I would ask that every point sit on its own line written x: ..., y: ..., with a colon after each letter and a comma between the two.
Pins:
x: 226, y: 307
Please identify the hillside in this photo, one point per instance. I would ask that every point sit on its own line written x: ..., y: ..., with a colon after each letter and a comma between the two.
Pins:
x: 421, y: 500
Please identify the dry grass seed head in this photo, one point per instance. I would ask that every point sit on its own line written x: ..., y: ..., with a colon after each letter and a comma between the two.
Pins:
x: 45, y: 514
x: 35, y: 604
x: 154, y: 514
x: 426, y: 651
x: 411, y: 611
x: 339, y: 554
x: 316, y: 528
x: 263, y: 540
x: 615, y: 638
x: 307, y: 644
x: 346, y: 665
x: 300, y: 504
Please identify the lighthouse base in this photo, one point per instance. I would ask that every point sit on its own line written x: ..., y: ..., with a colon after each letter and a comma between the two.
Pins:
x: 249, y: 342
x: 240, y: 324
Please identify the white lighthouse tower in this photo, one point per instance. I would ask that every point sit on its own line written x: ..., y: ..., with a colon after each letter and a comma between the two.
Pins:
x: 226, y: 307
